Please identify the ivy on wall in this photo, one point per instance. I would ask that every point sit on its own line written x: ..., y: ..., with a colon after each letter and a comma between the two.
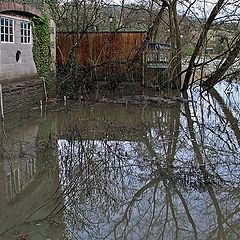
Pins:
x: 41, y: 44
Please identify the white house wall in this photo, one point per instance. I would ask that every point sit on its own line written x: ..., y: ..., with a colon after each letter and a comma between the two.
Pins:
x: 10, y: 69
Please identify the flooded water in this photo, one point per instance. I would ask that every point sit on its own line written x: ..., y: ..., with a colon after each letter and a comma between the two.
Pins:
x: 105, y: 171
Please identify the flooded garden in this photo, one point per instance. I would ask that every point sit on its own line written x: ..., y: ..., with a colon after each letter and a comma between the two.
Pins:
x: 123, y: 171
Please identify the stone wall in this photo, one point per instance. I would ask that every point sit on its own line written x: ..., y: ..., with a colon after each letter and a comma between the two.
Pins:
x: 52, y: 66
x: 22, y: 96
x: 18, y: 74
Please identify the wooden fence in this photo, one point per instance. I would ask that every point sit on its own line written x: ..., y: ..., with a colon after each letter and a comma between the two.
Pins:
x: 100, y: 50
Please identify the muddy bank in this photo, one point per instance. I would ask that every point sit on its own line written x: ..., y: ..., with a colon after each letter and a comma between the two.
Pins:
x: 131, y: 94
x: 147, y: 100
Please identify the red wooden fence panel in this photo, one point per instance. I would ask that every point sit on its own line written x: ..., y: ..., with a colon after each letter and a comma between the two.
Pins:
x: 99, y: 49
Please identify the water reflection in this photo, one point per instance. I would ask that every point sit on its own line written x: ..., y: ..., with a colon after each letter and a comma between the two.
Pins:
x: 125, y: 172
x: 27, y: 183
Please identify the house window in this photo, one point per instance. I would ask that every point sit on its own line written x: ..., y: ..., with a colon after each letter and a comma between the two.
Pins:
x: 6, y: 29
x: 25, y: 32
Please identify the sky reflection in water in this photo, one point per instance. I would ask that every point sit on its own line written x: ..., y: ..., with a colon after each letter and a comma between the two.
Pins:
x: 126, y: 172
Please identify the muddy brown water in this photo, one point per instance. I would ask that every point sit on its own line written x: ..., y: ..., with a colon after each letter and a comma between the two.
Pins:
x: 107, y: 171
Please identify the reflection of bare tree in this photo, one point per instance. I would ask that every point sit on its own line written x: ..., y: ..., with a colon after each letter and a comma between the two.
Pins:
x: 228, y: 114
x: 164, y: 172
x: 173, y: 182
x: 220, y: 231
x: 96, y: 167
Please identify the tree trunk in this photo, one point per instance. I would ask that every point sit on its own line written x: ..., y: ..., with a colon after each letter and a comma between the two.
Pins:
x: 200, y: 42
x: 178, y: 57
x: 151, y: 32
x: 218, y: 74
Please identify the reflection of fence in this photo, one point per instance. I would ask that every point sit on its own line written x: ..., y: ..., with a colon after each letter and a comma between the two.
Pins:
x: 100, y: 49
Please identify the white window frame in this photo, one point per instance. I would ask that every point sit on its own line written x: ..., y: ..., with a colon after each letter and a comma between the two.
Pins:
x: 26, y: 32
x: 7, y: 27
